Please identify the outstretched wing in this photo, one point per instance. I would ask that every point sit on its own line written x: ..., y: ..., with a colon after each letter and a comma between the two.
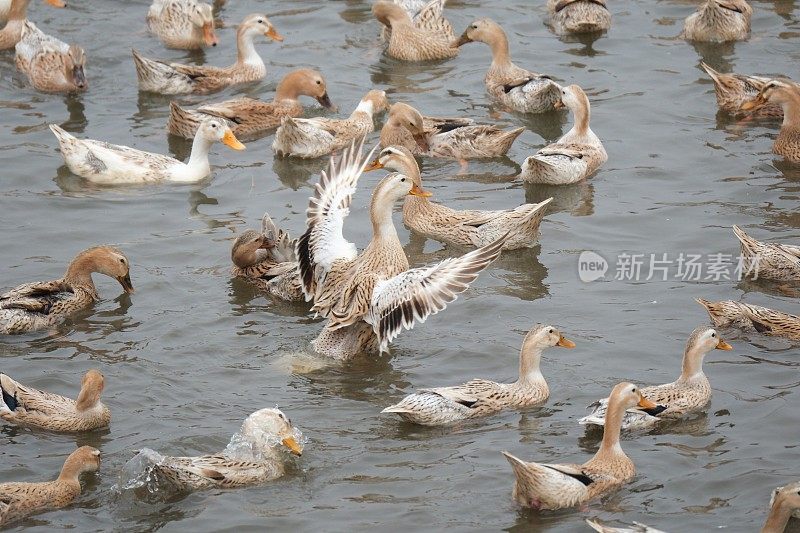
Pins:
x: 323, y: 243
x: 416, y: 294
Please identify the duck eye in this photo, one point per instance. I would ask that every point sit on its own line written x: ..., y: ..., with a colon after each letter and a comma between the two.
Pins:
x: 474, y: 26
x: 260, y: 21
x: 319, y: 82
x: 551, y: 331
x: 121, y: 260
x: 713, y: 335
x: 402, y: 179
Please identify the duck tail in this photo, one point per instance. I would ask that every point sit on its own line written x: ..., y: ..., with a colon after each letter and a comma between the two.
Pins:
x: 182, y: 122
x: 715, y: 75
x: 507, y: 138
x: 8, y: 401
x: 397, y: 408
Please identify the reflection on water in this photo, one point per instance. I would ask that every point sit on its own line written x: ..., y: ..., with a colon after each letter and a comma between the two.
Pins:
x: 576, y: 199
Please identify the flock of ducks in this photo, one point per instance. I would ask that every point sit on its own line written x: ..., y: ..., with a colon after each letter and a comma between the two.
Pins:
x: 370, y: 297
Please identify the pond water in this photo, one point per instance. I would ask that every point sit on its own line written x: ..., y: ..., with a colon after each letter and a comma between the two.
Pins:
x: 193, y: 352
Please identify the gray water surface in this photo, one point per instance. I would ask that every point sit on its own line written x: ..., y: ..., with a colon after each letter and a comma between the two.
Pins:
x: 193, y: 352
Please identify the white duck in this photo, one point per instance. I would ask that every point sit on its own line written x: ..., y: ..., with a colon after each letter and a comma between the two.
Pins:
x: 106, y: 163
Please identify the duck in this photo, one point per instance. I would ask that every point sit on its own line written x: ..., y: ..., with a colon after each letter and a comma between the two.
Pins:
x: 267, y: 260
x: 752, y: 318
x: 183, y: 24
x: 20, y: 500
x: 453, y: 138
x: 576, y: 155
x: 112, y: 164
x: 690, y: 392
x: 176, y: 78
x: 481, y: 397
x: 369, y: 298
x: 52, y: 66
x: 248, y: 117
x: 635, y: 528
x: 719, y: 21
x: 779, y: 262
x: 463, y: 228
x: 787, y: 95
x: 308, y: 138
x: 557, y: 486
x: 426, y: 15
x: 409, y: 41
x: 732, y: 90
x: 578, y: 16
x: 256, y: 454
x: 15, y: 14
x: 39, y: 305
x: 26, y: 406
x: 518, y: 89
x: 784, y: 504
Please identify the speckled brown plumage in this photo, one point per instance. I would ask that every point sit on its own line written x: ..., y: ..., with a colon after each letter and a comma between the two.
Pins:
x: 719, y: 21
x: 689, y: 393
x: 19, y: 500
x: 51, y: 65
x: 752, y: 318
x: 481, y: 397
x: 11, y: 33
x: 38, y: 305
x: 26, y: 406
x: 766, y: 260
x: 410, y: 42
x: 556, y: 486
x: 184, y: 24
x: 578, y: 16
x: 732, y: 90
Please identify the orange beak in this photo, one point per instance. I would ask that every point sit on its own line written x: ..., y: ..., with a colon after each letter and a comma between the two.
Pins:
x: 375, y: 165
x: 724, y: 346
x: 418, y: 191
x: 644, y: 403
x: 755, y: 103
x: 565, y: 343
x: 209, y: 37
x: 229, y: 139
x: 274, y: 35
x: 293, y: 446
x: 559, y: 104
x: 464, y: 39
x: 56, y: 3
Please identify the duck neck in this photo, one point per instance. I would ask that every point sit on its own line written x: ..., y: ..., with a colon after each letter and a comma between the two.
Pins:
x: 198, y: 160
x: 380, y: 214
x: 286, y: 93
x: 610, y: 445
x: 247, y: 54
x: 791, y: 112
x: 18, y: 10
x: 498, y: 43
x: 582, y: 114
x: 778, y: 518
x: 692, y: 365
x: 79, y: 273
x: 530, y: 356
x: 365, y: 109
x: 87, y: 399
x: 70, y: 473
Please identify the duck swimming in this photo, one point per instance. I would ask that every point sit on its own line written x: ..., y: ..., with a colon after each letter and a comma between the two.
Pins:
x: 752, y: 318
x: 409, y: 41
x: 184, y: 24
x: 39, y: 305
x: 15, y: 14
x: 578, y: 16
x: 718, y: 21
x: 787, y: 95
x: 52, y: 66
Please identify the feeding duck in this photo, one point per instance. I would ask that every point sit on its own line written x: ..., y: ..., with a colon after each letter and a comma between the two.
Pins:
x: 465, y: 228
x: 308, y: 138
x: 555, y: 486
x: 787, y: 95
x: 175, y: 78
x: 256, y: 454
x: 752, y: 318
x: 455, y: 138
x: 109, y: 164
x: 50, y: 65
x: 38, y: 305
x: 26, y: 406
x: 369, y: 298
x: 409, y: 41
x: 578, y: 16
x: 719, y: 21
x: 733, y: 90
x: 185, y: 24
x: 268, y: 261
x: 248, y: 117
x: 19, y: 500
x: 481, y: 397
x: 515, y: 87
x: 690, y: 392
x: 784, y: 504
x: 15, y: 14
x: 780, y: 262
x: 576, y: 155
